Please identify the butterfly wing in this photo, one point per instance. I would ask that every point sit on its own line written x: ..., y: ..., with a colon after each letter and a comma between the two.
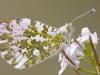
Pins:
x: 23, y: 44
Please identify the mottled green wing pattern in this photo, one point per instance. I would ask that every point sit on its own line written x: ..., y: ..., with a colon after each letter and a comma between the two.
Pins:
x: 23, y: 44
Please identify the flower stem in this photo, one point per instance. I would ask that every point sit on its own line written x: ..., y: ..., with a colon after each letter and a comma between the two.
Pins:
x: 79, y: 45
x: 95, y: 56
x: 67, y: 57
x: 85, y: 70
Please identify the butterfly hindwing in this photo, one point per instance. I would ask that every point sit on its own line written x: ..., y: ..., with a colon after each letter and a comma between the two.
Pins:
x: 23, y: 44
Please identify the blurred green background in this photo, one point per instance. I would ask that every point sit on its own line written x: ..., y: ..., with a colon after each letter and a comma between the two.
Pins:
x: 55, y: 13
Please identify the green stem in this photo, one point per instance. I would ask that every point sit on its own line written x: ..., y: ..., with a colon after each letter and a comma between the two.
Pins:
x: 79, y: 45
x: 90, y: 56
x: 67, y: 57
x: 87, y: 71
x: 95, y: 56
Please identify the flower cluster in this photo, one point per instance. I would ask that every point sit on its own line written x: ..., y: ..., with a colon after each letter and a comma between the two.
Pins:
x: 76, y: 50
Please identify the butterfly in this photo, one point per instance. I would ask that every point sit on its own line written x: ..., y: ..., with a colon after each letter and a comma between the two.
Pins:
x: 24, y: 44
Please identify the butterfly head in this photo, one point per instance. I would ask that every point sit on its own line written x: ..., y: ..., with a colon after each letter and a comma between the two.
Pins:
x: 66, y: 29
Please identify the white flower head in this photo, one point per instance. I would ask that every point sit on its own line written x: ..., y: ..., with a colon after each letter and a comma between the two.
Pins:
x: 85, y: 31
x: 72, y: 48
x: 39, y: 26
x: 36, y: 52
x: 71, y: 51
x: 94, y: 38
x: 85, y: 34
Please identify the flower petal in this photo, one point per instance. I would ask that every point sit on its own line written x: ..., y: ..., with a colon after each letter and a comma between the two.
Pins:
x: 94, y: 38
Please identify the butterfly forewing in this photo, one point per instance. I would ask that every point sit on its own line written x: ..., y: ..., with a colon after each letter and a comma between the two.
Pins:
x: 23, y: 44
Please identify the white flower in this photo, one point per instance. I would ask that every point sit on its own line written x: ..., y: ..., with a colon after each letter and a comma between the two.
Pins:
x: 85, y: 34
x: 94, y: 38
x: 85, y: 31
x: 39, y: 38
x: 72, y: 51
x: 36, y: 52
x: 39, y: 26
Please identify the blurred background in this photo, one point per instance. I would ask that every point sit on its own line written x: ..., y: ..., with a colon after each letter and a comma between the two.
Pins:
x: 55, y: 13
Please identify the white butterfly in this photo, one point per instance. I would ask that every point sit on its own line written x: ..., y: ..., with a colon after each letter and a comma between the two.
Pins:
x: 23, y: 44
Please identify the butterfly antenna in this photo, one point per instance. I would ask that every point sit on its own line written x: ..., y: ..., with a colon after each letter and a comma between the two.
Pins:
x: 84, y: 14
